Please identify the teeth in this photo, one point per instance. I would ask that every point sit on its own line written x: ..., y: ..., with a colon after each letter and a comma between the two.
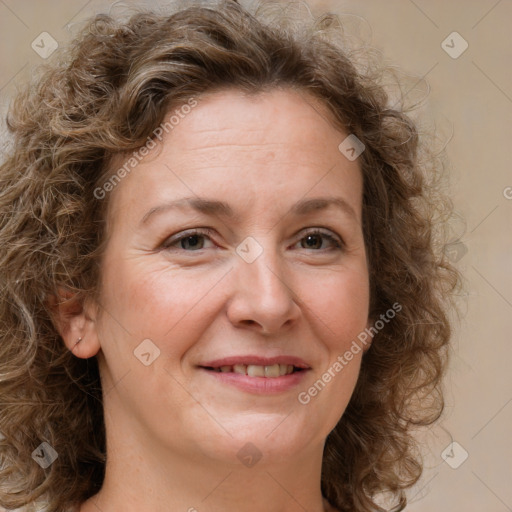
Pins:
x: 254, y: 370
x: 240, y: 368
x: 270, y: 371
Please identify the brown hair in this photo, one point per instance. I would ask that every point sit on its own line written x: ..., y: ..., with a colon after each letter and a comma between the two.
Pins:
x: 107, y: 93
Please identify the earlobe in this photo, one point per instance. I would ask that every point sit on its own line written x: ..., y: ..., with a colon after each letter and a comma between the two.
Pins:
x: 85, y: 347
x: 75, y: 323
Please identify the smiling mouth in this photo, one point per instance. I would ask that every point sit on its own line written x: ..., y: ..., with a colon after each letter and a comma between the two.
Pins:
x: 253, y: 370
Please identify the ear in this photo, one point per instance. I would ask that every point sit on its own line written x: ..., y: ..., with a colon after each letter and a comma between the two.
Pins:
x: 75, y: 320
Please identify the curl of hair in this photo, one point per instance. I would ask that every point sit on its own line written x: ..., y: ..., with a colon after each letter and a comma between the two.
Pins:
x: 110, y: 89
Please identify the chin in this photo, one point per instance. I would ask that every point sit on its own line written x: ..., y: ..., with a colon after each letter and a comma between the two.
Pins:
x: 270, y: 440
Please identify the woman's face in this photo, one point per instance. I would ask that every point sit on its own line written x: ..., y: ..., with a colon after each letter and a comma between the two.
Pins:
x: 217, y: 251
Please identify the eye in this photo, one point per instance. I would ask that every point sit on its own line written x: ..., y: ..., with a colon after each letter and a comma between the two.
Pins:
x: 315, y: 240
x: 192, y: 240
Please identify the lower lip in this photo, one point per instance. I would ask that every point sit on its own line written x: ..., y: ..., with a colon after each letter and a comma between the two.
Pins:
x: 259, y: 385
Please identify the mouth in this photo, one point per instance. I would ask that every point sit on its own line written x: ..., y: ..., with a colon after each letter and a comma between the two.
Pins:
x: 258, y: 375
x: 254, y: 370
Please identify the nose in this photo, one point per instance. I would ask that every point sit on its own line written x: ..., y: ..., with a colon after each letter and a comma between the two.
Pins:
x: 263, y: 298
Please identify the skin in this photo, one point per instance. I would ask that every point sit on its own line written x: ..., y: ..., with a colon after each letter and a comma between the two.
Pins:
x: 174, y: 431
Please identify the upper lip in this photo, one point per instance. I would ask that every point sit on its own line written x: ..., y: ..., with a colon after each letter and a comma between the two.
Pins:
x: 256, y: 360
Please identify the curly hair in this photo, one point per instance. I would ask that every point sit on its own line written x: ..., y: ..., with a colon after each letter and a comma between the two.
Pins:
x: 105, y: 95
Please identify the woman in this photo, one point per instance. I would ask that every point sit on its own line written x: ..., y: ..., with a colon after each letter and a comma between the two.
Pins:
x: 223, y: 284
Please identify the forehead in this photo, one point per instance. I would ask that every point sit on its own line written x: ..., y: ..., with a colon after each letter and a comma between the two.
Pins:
x: 276, y: 143
x: 293, y: 120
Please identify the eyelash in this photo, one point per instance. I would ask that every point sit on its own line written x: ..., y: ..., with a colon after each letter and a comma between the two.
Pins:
x: 167, y: 245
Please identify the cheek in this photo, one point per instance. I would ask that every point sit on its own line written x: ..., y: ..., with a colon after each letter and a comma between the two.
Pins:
x: 341, y: 303
x: 339, y: 309
x: 160, y: 302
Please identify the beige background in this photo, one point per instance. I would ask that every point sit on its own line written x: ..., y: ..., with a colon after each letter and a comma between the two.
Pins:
x: 471, y: 95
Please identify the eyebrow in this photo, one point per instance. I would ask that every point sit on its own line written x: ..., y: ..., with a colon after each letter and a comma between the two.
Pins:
x: 214, y: 207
